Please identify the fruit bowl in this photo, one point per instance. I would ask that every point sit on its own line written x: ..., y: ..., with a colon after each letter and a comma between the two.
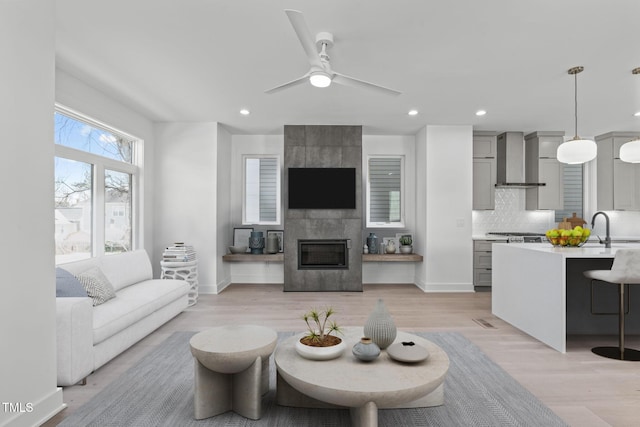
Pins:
x: 574, y: 242
x: 572, y: 238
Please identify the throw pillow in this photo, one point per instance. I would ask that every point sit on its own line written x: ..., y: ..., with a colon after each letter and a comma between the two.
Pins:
x: 67, y: 285
x: 97, y: 285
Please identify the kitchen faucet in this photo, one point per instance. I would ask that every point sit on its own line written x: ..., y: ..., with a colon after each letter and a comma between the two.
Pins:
x: 607, y: 239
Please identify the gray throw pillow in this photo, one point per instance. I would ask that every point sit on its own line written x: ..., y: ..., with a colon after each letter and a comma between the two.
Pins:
x: 97, y: 285
x: 67, y: 285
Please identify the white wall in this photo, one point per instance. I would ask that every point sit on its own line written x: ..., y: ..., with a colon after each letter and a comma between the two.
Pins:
x: 185, y: 202
x: 448, y: 249
x: 223, y: 201
x: 27, y: 305
x: 420, y: 243
x: 73, y: 93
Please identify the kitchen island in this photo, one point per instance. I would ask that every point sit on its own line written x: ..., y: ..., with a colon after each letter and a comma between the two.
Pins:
x: 541, y: 290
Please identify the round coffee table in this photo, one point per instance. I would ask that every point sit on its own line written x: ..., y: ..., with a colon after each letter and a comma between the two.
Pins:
x: 231, y: 369
x: 362, y: 386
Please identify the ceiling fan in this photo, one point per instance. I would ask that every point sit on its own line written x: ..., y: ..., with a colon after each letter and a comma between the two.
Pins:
x: 320, y: 74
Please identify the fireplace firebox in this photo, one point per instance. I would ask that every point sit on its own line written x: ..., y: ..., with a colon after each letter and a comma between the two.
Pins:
x: 324, y: 254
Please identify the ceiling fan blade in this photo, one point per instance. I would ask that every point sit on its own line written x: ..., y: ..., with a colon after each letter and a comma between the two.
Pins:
x: 292, y: 83
x: 351, y: 81
x: 304, y: 35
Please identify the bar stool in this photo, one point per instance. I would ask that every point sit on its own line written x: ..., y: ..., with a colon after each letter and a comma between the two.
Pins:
x: 624, y: 271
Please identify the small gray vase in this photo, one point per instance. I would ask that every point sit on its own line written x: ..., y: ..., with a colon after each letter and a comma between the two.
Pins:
x: 366, y: 350
x: 380, y: 326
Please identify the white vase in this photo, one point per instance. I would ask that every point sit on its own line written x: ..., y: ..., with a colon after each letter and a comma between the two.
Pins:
x: 406, y: 249
x: 391, y: 247
x: 320, y: 353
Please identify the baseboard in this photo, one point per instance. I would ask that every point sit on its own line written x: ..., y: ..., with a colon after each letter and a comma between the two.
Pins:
x: 210, y: 289
x: 41, y: 411
x: 431, y: 287
x: 445, y: 287
x: 223, y: 284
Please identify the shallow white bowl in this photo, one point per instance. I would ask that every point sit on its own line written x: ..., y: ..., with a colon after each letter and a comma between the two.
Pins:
x: 320, y: 353
x: 237, y: 249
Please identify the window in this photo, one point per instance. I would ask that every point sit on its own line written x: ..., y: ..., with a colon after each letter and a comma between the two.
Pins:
x: 573, y: 199
x: 95, y: 174
x: 261, y: 190
x: 117, y: 227
x: 385, y: 191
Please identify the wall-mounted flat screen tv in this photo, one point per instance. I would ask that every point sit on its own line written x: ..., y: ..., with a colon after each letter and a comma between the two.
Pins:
x: 322, y: 188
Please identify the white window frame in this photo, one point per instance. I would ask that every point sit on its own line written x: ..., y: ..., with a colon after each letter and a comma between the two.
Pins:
x: 403, y: 195
x: 99, y: 164
x: 245, y: 157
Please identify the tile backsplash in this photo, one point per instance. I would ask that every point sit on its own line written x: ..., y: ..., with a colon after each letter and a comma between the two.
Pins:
x: 622, y: 224
x: 510, y: 215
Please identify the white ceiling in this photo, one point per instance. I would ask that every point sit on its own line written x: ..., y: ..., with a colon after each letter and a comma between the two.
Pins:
x: 204, y: 60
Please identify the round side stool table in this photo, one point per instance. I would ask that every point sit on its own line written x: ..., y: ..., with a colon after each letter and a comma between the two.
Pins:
x: 231, y: 369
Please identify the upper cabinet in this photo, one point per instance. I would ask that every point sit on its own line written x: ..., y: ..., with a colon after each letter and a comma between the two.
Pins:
x: 618, y: 181
x: 484, y: 170
x: 541, y: 165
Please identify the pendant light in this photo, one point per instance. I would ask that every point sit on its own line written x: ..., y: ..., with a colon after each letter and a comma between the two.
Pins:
x: 577, y: 150
x: 630, y: 151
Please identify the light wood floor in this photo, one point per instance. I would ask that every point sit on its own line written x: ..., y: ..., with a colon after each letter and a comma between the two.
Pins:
x: 582, y: 388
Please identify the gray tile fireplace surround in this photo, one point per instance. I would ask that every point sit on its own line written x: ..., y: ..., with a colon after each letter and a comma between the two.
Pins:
x: 318, y: 147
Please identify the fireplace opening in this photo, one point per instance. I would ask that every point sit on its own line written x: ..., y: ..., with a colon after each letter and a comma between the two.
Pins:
x: 323, y: 254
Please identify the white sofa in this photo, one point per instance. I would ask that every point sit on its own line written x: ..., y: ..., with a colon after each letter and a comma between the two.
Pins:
x: 88, y: 336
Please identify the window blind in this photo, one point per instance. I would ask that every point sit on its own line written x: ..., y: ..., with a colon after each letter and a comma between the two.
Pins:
x: 385, y: 186
x: 573, y: 194
x: 268, y: 189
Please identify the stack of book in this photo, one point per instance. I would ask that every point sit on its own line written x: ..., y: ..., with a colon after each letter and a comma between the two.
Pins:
x: 179, y: 252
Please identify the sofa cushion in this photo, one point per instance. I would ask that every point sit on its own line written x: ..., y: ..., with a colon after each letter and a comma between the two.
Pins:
x: 134, y: 303
x: 125, y: 269
x: 67, y: 285
x: 97, y: 285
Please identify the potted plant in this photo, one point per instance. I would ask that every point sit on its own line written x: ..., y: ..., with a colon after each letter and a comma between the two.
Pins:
x: 318, y: 343
x: 406, y: 242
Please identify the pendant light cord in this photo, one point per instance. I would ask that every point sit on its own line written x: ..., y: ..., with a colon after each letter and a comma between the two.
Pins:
x: 575, y: 103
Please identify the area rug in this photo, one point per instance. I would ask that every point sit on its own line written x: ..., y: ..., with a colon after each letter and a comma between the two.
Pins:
x: 158, y: 391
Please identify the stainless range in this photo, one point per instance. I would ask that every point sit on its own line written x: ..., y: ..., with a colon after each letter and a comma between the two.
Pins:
x: 519, y: 237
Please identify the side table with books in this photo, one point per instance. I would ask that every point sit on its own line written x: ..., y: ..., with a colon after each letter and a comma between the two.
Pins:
x: 179, y: 262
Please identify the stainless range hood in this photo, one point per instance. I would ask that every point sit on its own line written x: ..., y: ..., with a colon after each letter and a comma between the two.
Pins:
x: 510, y: 162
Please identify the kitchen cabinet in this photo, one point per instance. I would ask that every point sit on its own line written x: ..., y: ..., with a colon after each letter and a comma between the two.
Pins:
x: 484, y: 170
x: 542, y: 165
x: 482, y: 259
x: 618, y: 182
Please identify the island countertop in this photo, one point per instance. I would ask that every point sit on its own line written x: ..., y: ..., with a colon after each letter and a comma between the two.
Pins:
x: 530, y: 285
x: 589, y: 250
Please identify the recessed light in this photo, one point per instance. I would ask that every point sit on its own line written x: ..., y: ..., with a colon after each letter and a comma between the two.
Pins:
x: 637, y: 114
x: 481, y: 113
x: 413, y: 112
x: 245, y: 112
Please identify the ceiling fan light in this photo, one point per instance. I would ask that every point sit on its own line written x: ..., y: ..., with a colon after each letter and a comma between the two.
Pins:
x: 630, y: 151
x: 577, y: 151
x: 320, y: 79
